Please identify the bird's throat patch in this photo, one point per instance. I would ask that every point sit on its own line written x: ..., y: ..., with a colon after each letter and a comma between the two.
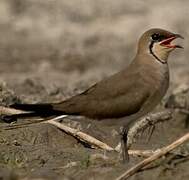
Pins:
x: 153, y: 54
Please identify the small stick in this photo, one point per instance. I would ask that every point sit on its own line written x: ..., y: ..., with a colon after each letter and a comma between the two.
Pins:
x: 147, y: 121
x: 81, y: 136
x: 152, y: 158
x: 141, y: 153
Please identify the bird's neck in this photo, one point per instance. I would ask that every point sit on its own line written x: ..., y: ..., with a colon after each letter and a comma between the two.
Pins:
x: 149, y: 63
x: 152, y: 71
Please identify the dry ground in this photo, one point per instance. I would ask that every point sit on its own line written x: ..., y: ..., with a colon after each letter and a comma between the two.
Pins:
x: 50, y: 50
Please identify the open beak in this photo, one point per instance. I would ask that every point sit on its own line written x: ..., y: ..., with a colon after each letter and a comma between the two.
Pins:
x: 167, y: 42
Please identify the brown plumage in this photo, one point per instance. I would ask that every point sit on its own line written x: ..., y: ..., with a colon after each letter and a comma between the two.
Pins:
x: 134, y: 91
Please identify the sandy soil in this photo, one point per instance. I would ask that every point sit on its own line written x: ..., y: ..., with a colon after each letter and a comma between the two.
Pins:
x: 51, y: 50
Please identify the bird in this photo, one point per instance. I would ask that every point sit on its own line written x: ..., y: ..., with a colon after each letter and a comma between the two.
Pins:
x: 129, y: 94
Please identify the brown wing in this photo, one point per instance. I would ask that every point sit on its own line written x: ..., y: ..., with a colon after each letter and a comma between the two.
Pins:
x: 120, y: 95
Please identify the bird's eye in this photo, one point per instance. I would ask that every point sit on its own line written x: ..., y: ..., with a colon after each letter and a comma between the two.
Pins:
x: 155, y: 36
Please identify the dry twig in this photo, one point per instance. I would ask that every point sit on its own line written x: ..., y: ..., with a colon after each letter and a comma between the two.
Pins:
x: 161, y: 152
x: 147, y: 121
x: 80, y: 135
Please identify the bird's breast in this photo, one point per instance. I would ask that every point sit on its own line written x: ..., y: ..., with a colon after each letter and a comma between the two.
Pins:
x: 157, y: 80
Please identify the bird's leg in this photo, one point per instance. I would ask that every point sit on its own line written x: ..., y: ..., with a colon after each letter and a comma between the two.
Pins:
x: 124, y: 149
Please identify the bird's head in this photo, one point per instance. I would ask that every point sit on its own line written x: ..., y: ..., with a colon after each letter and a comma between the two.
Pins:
x: 158, y: 43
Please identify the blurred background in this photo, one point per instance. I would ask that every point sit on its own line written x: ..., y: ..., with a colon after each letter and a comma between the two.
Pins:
x: 52, y: 49
x: 71, y: 43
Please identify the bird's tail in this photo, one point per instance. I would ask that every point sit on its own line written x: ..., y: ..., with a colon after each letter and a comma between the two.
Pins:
x: 42, y: 110
x: 68, y: 107
x: 30, y: 111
